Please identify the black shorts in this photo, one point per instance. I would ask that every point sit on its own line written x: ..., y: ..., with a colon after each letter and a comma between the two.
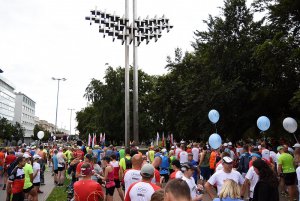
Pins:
x: 290, y: 178
x: 27, y: 190
x: 118, y: 183
x: 56, y: 171
x: 18, y: 196
x: 60, y: 168
x: 110, y: 191
x: 37, y: 184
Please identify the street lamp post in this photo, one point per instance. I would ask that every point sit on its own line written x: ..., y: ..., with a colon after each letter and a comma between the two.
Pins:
x: 134, y: 33
x: 71, y: 110
x: 58, y: 80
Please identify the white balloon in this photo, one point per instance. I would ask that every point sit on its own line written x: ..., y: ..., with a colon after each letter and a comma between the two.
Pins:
x: 290, y: 125
x: 40, y: 134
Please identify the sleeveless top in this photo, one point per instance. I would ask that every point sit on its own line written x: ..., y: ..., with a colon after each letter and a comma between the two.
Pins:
x: 205, y: 162
x: 110, y: 175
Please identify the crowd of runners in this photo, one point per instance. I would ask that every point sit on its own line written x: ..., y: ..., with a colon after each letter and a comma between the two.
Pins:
x: 247, y: 170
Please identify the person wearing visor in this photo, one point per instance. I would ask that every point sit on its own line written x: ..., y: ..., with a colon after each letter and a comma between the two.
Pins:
x: 220, y: 176
x: 188, y: 170
x: 87, y: 189
x: 134, y: 191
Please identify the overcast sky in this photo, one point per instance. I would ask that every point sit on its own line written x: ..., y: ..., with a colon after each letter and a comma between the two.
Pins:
x: 50, y: 38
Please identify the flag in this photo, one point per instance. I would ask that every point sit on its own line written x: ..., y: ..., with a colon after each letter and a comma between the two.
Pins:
x: 100, y: 138
x: 157, y: 138
x: 163, y: 140
x: 172, y: 141
x: 103, y: 139
x: 95, y: 139
x: 89, y: 140
x: 93, y: 144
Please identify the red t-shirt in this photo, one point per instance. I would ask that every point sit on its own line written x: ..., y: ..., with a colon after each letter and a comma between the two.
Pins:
x: 2, y: 157
x: 87, y: 190
x: 17, y: 178
x: 79, y: 154
x: 78, y: 167
x: 9, y: 159
x: 156, y: 178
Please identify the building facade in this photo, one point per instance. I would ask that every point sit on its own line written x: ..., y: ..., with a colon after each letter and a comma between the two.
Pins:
x: 25, y: 113
x: 7, y: 99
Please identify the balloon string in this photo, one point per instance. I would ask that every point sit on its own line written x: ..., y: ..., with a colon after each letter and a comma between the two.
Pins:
x: 295, y: 138
x: 216, y: 127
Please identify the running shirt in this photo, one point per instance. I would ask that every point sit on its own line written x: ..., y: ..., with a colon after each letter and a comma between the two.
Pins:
x: 28, y: 170
x: 9, y: 159
x: 265, y: 153
x: 192, y: 185
x: 287, y: 162
x: 36, y: 169
x: 116, y: 167
x: 141, y: 191
x: 195, y: 152
x: 131, y: 176
x: 2, y: 157
x: 92, y: 193
x: 156, y: 178
x: 253, y: 178
x: 220, y: 176
x: 176, y: 175
x: 183, y: 157
x: 17, y: 178
x: 177, y: 151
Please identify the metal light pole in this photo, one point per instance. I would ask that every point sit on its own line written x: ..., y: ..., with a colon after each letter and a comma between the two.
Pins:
x: 133, y: 33
x: 58, y: 80
x: 71, y: 110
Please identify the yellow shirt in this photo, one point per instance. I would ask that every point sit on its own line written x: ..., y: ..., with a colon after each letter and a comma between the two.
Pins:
x: 123, y: 162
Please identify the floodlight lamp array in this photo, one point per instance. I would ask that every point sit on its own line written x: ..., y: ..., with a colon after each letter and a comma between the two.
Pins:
x: 119, y: 27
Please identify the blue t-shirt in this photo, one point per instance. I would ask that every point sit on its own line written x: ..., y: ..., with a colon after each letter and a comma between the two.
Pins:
x: 194, y: 163
x: 164, y: 166
x: 55, y: 162
x: 227, y: 199
x: 96, y: 154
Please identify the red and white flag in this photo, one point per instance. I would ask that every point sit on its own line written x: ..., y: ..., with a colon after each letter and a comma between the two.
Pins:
x: 172, y: 141
x: 100, y: 138
x: 157, y: 138
x: 89, y: 140
x: 163, y: 140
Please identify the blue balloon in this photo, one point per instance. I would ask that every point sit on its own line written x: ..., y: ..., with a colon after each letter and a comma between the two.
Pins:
x: 213, y: 116
x: 263, y: 123
x: 215, y: 141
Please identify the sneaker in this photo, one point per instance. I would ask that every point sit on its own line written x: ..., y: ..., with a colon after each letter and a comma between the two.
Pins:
x: 40, y: 191
x: 4, y: 187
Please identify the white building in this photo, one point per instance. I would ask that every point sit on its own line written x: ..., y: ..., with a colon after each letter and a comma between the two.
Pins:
x: 25, y: 113
x: 7, y: 99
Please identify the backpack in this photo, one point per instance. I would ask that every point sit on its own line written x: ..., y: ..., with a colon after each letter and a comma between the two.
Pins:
x: 244, y: 163
x: 128, y: 163
x: 11, y: 167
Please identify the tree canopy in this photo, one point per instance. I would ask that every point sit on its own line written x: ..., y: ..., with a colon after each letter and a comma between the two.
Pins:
x: 243, y: 66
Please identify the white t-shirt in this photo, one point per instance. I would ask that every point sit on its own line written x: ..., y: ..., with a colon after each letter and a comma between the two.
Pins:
x: 265, y: 153
x: 191, y: 183
x: 219, y: 177
x: 183, y: 157
x: 36, y: 168
x: 130, y: 177
x: 253, y: 178
x: 141, y: 191
x: 178, y: 175
x: 177, y: 151
x: 273, y: 156
x: 60, y: 159
x: 298, y: 178
x: 195, y: 152
x: 219, y: 167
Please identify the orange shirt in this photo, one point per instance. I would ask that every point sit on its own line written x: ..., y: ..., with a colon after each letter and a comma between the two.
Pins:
x: 2, y: 159
x: 87, y: 190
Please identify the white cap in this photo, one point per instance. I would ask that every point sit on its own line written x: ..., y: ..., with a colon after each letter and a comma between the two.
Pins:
x: 36, y: 156
x: 163, y: 150
x: 172, y: 147
x: 225, y: 144
x: 297, y: 145
x: 25, y: 155
x: 230, y: 143
x: 227, y: 159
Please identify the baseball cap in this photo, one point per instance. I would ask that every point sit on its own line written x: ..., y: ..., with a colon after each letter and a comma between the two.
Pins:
x: 279, y: 147
x: 147, y: 170
x: 189, y: 166
x: 172, y: 147
x: 297, y: 145
x: 225, y: 144
x: 26, y: 155
x: 190, y: 154
x: 36, y: 156
x: 229, y: 143
x: 227, y: 159
x: 257, y: 155
x: 163, y: 150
